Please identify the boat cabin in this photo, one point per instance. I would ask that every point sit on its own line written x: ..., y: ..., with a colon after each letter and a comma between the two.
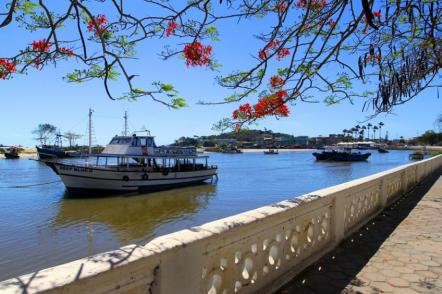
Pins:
x: 144, y: 145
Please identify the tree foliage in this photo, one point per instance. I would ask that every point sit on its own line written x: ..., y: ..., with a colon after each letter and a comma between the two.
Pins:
x: 391, y: 49
x: 428, y: 138
x: 72, y: 137
x: 44, y: 132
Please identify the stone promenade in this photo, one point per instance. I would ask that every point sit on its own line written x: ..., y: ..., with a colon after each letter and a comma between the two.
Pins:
x: 399, y: 251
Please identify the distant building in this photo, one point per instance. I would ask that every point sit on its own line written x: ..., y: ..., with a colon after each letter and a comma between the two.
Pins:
x: 221, y: 142
x: 301, y: 140
x: 332, y: 139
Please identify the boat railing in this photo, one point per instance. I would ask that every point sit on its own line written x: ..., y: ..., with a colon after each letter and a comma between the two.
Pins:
x: 154, y: 163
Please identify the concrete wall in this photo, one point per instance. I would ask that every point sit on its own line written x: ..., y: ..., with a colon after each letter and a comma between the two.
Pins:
x: 251, y: 252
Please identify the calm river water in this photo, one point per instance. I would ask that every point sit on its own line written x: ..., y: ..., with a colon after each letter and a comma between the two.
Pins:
x: 40, y: 226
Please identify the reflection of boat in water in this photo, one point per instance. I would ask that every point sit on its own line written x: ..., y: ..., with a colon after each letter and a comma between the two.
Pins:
x: 134, y: 218
x: 134, y: 163
x: 271, y: 152
x: 344, y: 154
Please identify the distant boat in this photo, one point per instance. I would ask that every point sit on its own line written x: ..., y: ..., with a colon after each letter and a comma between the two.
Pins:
x: 231, y: 150
x: 341, y: 155
x: 416, y: 156
x: 55, y: 151
x: 271, y: 152
x: 382, y: 150
x: 11, y: 153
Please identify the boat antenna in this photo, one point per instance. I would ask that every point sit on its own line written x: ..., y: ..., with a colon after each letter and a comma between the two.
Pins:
x: 125, y: 123
x: 143, y: 130
x: 90, y: 130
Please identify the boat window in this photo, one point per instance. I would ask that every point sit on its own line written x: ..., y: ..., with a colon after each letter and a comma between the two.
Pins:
x: 121, y: 140
x: 141, y: 142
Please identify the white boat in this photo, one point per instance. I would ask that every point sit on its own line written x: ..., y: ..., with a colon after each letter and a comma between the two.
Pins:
x: 134, y: 164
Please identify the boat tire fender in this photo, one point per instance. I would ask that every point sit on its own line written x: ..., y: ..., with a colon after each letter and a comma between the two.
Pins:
x: 165, y: 172
x: 125, y: 178
x: 145, y: 176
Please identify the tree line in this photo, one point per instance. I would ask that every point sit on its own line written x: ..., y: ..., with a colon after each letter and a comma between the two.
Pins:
x: 46, y: 133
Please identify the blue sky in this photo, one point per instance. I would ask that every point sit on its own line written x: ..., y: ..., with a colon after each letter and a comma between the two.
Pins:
x: 43, y: 97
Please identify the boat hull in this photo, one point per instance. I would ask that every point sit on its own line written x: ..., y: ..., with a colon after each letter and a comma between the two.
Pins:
x: 87, y: 179
x: 341, y: 156
x: 11, y: 155
x: 49, y: 153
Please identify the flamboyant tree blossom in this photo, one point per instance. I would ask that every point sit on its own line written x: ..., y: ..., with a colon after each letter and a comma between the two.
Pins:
x: 390, y: 49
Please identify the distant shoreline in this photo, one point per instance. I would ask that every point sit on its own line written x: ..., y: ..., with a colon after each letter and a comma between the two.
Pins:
x: 280, y: 150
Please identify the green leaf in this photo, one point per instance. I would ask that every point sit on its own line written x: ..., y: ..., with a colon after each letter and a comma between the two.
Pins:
x: 167, y: 87
x: 178, y: 103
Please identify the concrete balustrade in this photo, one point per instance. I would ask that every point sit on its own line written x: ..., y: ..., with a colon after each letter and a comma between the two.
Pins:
x: 255, y: 251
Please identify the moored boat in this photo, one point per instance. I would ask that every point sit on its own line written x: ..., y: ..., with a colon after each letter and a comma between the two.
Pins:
x: 134, y: 164
x: 345, y: 154
x: 55, y: 151
x: 271, y: 152
x: 382, y: 150
x: 416, y: 156
x: 231, y: 150
x: 12, y: 153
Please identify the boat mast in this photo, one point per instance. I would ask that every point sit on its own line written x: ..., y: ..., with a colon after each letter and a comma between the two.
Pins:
x: 90, y: 130
x: 125, y: 123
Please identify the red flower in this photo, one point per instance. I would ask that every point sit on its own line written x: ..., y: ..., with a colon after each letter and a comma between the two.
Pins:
x: 272, y: 105
x: 281, y: 7
x: 262, y: 54
x: 6, y: 68
x: 66, y: 51
x: 101, y: 23
x: 373, y: 57
x: 331, y: 22
x: 314, y: 4
x: 243, y: 112
x: 269, y: 105
x: 276, y: 81
x: 265, y: 52
x: 377, y: 14
x: 283, y: 53
x: 41, y: 46
x: 237, y: 127
x: 197, y: 54
x: 273, y: 44
x: 171, y: 26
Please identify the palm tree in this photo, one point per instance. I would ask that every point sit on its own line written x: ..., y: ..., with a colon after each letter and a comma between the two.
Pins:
x: 363, y: 129
x: 353, y: 131
x: 375, y: 128
x: 356, y: 130
x: 381, y: 124
x: 361, y: 135
x: 369, y: 125
x: 345, y: 132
